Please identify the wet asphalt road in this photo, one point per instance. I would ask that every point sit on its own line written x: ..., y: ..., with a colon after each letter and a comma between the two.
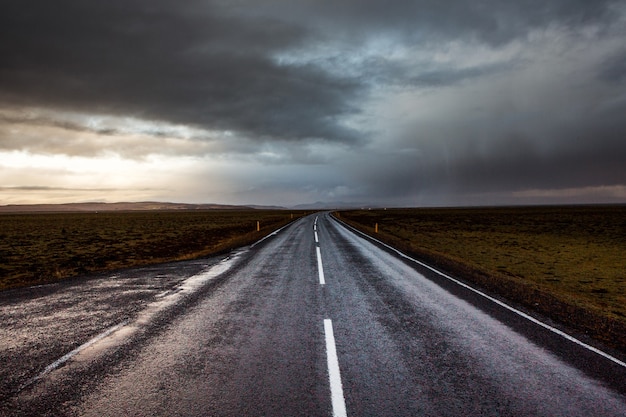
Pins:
x: 249, y: 335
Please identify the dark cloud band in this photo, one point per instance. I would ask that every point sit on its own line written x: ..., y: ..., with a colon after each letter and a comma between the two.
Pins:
x: 223, y: 66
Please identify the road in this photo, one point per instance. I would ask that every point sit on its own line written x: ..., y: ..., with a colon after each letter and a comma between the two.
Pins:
x: 315, y: 320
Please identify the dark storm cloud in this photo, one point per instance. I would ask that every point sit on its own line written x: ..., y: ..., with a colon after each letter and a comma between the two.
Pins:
x: 588, y: 153
x: 492, y: 21
x: 614, y: 68
x: 181, y: 62
x: 529, y: 94
x: 210, y: 64
x: 49, y: 121
x: 521, y: 167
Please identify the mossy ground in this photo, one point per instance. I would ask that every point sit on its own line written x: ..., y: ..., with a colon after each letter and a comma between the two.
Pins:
x: 42, y: 248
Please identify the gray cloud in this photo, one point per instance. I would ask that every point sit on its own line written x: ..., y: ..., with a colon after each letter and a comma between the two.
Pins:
x: 48, y: 188
x: 449, y: 76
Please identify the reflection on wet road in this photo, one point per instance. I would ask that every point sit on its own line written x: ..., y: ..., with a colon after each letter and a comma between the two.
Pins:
x: 314, y: 320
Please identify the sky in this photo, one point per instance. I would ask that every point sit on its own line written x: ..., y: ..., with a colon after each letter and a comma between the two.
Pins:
x: 276, y: 102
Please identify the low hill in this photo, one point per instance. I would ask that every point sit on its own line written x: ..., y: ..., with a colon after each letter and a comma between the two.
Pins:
x: 141, y: 206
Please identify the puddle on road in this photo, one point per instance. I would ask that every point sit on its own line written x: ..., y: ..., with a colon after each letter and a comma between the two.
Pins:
x: 187, y: 287
x: 117, y: 335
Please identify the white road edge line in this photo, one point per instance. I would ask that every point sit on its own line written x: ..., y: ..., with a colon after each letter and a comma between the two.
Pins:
x: 320, y: 268
x: 73, y: 353
x: 274, y: 233
x: 500, y: 303
x: 334, y: 376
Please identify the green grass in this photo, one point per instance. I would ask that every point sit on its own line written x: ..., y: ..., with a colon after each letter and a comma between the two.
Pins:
x: 42, y: 248
x: 566, y: 262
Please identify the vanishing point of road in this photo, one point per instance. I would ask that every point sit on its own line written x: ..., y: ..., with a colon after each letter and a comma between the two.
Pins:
x: 315, y: 320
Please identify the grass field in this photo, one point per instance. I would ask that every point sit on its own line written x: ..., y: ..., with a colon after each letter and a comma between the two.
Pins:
x: 42, y: 248
x: 568, y: 263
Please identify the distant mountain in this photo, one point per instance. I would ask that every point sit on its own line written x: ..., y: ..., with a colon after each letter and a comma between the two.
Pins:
x: 141, y: 206
x: 256, y: 206
x: 326, y: 205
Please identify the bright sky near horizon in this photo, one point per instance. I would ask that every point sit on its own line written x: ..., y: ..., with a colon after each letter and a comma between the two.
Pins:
x: 399, y: 103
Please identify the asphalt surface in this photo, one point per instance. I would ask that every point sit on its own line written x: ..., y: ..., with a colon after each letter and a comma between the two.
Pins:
x: 265, y: 333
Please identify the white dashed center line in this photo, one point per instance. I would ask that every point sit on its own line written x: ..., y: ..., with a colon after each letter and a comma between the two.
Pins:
x: 320, y: 268
x: 334, y: 376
